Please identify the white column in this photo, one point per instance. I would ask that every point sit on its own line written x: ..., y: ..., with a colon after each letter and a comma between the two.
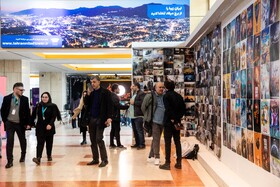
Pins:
x: 55, y: 84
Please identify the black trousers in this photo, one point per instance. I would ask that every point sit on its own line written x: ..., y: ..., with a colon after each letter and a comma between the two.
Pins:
x: 169, y: 132
x: 115, y: 133
x: 96, y: 138
x: 135, y: 132
x: 40, y: 145
x: 11, y: 128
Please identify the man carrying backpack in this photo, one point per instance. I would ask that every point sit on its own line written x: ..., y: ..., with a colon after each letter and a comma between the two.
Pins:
x: 174, y: 111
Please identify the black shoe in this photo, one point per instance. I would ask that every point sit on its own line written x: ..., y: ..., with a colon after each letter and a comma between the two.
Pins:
x: 178, y: 166
x: 134, y: 146
x: 0, y: 156
x: 103, y: 164
x: 112, y: 146
x: 9, y: 165
x: 141, y: 147
x: 165, y: 166
x: 49, y: 158
x: 93, y: 162
x: 22, y: 158
x: 36, y: 160
x: 83, y: 142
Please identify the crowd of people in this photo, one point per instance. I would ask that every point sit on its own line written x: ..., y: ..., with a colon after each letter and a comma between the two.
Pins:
x: 162, y: 108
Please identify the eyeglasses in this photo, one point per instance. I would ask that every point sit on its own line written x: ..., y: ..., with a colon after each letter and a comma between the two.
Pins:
x: 22, y: 90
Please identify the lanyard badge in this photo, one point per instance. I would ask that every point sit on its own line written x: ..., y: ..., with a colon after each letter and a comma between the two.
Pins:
x: 43, y: 112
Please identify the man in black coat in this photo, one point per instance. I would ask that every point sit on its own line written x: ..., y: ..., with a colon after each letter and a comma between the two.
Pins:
x: 99, y: 103
x: 174, y: 111
x: 115, y: 129
x: 16, y: 117
x: 137, y: 123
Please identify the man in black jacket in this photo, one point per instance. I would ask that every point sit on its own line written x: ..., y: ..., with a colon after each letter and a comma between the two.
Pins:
x: 99, y: 103
x: 16, y: 117
x: 137, y: 123
x: 174, y: 111
x: 115, y: 129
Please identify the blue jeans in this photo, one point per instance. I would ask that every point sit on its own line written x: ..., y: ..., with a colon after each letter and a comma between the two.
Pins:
x: 140, y: 130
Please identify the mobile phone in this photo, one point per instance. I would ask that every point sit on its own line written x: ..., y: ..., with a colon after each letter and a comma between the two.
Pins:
x: 89, y: 87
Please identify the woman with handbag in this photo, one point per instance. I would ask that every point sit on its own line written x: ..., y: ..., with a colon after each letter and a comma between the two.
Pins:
x: 46, y: 113
x: 83, y: 124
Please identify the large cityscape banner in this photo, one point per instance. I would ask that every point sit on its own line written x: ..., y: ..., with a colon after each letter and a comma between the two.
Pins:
x: 92, y: 23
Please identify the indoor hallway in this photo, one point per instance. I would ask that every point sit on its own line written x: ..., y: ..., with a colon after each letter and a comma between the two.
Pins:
x: 127, y: 167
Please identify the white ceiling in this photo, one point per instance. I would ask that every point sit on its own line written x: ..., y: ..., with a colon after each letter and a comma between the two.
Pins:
x: 40, y: 64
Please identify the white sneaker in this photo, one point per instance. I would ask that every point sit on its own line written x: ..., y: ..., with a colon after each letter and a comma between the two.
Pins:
x: 150, y: 159
x: 157, y: 161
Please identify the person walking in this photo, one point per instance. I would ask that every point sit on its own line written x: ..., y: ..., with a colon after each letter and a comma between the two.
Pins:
x: 81, y: 109
x: 138, y: 114
x: 1, y: 101
x: 16, y: 117
x: 74, y: 104
x: 116, y: 128
x: 174, y: 111
x: 45, y: 114
x: 153, y: 109
x: 132, y: 117
x: 99, y: 103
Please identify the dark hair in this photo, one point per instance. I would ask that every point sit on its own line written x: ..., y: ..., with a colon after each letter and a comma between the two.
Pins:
x: 114, y: 87
x: 49, y: 95
x: 169, y: 85
x: 95, y: 77
x: 18, y: 84
x: 137, y: 84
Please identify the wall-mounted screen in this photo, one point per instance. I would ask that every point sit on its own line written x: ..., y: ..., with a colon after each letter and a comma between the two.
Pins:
x: 92, y: 23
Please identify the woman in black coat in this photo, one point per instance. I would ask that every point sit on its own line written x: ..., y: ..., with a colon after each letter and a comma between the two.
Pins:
x: 45, y: 112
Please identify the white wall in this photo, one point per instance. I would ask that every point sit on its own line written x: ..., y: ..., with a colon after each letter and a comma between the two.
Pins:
x: 248, y: 171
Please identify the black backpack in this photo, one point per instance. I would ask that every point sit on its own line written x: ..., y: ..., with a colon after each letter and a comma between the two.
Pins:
x: 193, y: 153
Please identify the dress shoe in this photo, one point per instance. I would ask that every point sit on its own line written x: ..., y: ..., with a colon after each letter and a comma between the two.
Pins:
x: 0, y: 156
x: 93, y: 162
x: 112, y: 146
x: 9, y: 165
x: 49, y: 158
x: 134, y: 146
x: 103, y: 164
x: 22, y: 158
x: 83, y: 142
x: 178, y: 166
x: 141, y: 147
x: 165, y: 166
x: 36, y: 160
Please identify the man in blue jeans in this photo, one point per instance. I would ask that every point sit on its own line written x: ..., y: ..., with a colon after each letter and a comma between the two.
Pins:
x: 138, y: 121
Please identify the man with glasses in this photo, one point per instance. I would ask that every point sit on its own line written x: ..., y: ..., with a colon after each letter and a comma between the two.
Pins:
x: 16, y: 117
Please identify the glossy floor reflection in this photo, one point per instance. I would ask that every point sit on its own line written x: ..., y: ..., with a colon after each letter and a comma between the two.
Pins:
x: 127, y: 167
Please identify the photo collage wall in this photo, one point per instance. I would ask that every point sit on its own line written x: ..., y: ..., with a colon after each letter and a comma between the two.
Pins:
x: 157, y: 65
x: 208, y: 90
x: 251, y: 71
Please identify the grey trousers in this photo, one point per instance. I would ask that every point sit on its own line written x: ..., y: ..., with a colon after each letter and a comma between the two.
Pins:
x: 155, y: 146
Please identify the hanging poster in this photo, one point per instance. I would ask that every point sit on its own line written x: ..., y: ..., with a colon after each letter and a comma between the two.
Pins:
x: 257, y: 17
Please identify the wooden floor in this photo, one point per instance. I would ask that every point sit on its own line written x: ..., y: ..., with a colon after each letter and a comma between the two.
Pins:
x: 126, y: 167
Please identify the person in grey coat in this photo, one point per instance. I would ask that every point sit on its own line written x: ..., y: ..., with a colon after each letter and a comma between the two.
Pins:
x: 157, y: 109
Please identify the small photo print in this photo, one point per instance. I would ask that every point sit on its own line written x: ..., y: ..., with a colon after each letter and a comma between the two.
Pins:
x: 273, y: 11
x: 249, y: 51
x: 238, y: 140
x: 265, y: 117
x: 250, y: 145
x: 265, y: 50
x: 257, y: 149
x: 257, y: 124
x: 249, y: 114
x: 249, y: 83
x: 266, y: 153
x: 274, y: 148
x: 274, y: 41
x: 168, y: 61
x: 257, y: 17
x: 257, y: 49
x: 243, y: 61
x: 158, y: 65
x: 244, y: 151
x: 159, y: 78
x: 250, y: 20
x: 137, y: 52
x: 265, y: 69
x: 168, y: 71
x: 274, y: 79
x: 257, y: 82
x: 243, y: 113
x: 243, y: 25
x: 178, y: 61
x: 274, y: 118
x: 265, y: 14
